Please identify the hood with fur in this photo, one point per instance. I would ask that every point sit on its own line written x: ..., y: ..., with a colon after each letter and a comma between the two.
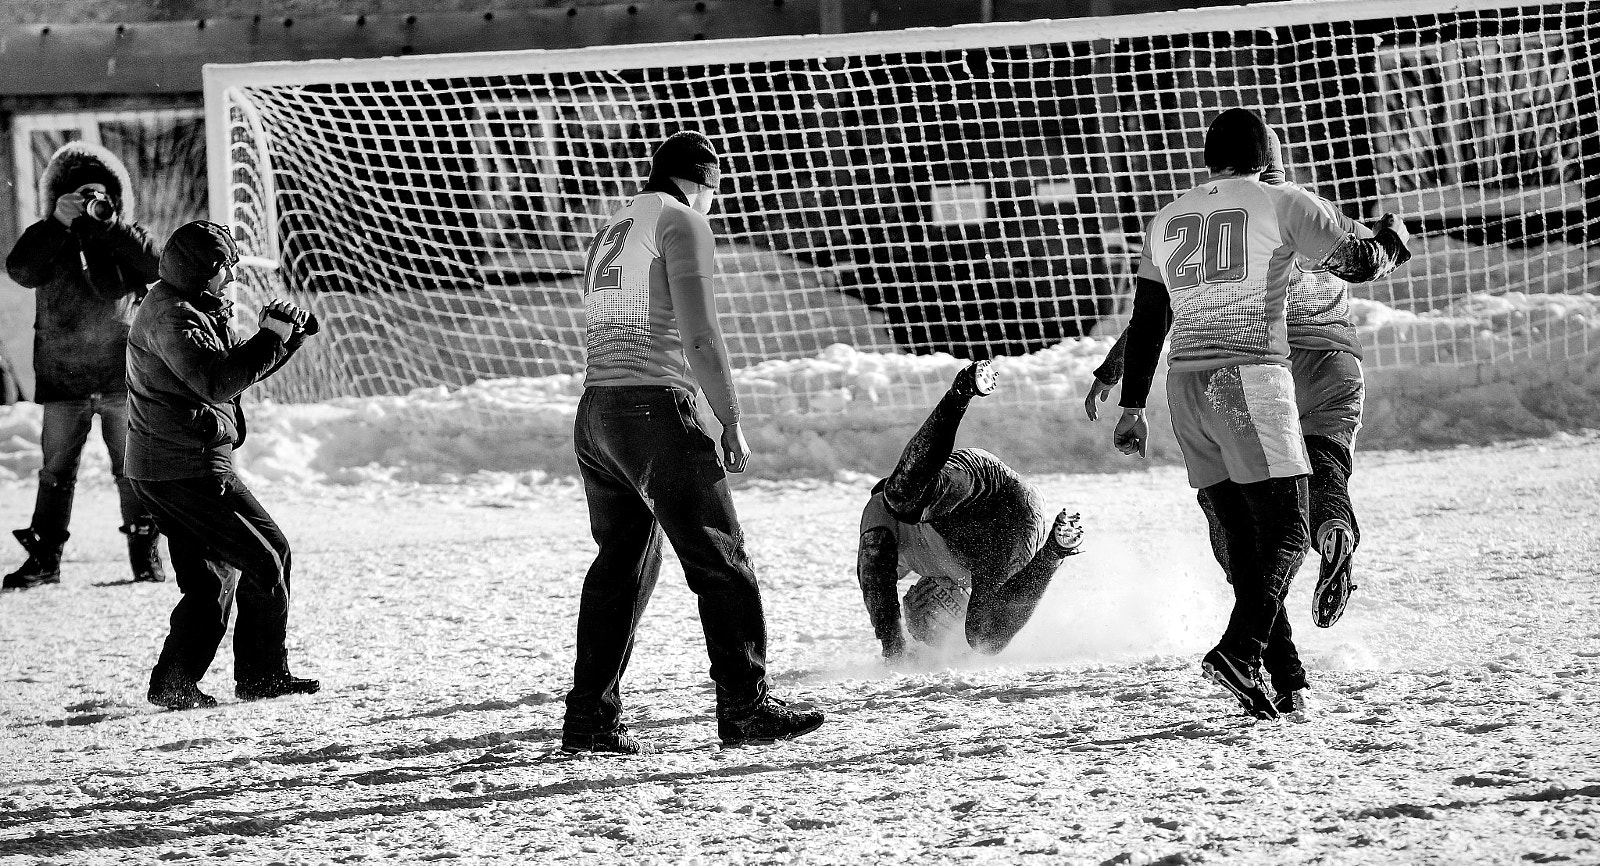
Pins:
x: 68, y: 167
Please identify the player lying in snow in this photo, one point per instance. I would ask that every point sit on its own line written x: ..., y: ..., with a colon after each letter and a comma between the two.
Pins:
x: 975, y: 533
x: 1325, y: 361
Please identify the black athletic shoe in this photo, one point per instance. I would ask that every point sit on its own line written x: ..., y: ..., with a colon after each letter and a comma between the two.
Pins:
x: 617, y: 742
x: 769, y: 722
x: 275, y: 687
x: 1241, y: 680
x: 180, y: 696
x: 1337, y: 544
x: 977, y: 379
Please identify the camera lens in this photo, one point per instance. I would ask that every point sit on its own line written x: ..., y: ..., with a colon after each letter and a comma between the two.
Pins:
x: 99, y: 208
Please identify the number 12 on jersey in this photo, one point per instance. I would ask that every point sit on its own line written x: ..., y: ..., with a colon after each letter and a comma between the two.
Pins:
x: 602, y: 276
x: 1217, y: 240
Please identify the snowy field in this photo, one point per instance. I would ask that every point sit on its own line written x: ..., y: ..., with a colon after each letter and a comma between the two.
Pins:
x: 1459, y: 695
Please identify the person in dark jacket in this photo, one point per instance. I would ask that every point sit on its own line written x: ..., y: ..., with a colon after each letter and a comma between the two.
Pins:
x: 87, y: 261
x: 977, y: 536
x: 186, y: 371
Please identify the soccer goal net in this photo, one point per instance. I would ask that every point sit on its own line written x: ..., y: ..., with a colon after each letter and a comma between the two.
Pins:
x: 978, y: 191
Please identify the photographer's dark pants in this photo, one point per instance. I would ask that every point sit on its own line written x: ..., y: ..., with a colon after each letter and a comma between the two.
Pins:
x: 1263, y: 529
x: 224, y: 546
x: 649, y: 471
x: 64, y: 432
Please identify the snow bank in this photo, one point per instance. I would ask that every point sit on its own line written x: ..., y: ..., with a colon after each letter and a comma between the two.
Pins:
x: 845, y: 412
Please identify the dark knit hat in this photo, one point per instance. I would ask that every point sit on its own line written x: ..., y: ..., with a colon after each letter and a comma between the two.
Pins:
x: 195, y: 253
x: 688, y: 155
x: 92, y: 172
x: 1238, y: 141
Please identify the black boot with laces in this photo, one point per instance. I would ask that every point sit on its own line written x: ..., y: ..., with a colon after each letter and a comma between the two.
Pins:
x: 769, y: 721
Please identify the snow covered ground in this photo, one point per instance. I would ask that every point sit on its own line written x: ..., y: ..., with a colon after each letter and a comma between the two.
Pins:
x: 1458, y: 725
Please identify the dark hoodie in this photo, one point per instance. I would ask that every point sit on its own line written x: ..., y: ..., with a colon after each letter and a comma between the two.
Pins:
x: 85, y: 278
x: 186, y: 369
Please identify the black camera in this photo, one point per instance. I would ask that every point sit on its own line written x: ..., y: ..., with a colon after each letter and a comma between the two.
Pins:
x: 98, y: 206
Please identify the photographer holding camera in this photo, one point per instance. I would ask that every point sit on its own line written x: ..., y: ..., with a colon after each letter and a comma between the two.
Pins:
x: 186, y: 370
x: 87, y: 262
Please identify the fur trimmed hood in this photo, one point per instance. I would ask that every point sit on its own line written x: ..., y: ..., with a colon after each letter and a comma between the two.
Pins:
x: 81, y: 157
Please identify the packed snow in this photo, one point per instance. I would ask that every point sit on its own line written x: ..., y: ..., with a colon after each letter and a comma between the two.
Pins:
x: 1457, y: 697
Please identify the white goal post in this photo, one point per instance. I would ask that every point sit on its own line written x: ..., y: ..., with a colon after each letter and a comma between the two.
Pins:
x: 976, y: 190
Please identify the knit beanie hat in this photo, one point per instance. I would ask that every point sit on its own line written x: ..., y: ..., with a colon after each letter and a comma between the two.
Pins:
x: 688, y: 155
x: 92, y: 172
x: 195, y: 253
x: 1238, y: 141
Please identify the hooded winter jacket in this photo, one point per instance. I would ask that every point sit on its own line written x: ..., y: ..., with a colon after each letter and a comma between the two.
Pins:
x: 186, y: 369
x: 85, y: 278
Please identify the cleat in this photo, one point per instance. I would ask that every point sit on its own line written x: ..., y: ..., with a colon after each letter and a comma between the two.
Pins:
x: 1241, y: 680
x: 617, y: 742
x: 275, y: 687
x: 769, y: 722
x: 180, y: 696
x: 977, y: 379
x: 1294, y: 705
x: 1337, y: 544
x: 1067, y: 534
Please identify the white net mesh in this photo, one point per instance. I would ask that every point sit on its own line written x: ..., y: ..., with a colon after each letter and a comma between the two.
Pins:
x: 978, y: 191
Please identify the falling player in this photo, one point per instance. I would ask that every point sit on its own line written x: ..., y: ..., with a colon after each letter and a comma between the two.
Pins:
x: 1215, y: 269
x: 973, y: 531
x: 1325, y: 361
x: 648, y: 469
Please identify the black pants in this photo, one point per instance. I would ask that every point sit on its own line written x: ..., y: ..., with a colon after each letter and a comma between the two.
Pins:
x: 648, y: 469
x: 1329, y: 485
x: 64, y: 433
x: 1263, y: 533
x: 1328, y: 491
x: 224, y: 545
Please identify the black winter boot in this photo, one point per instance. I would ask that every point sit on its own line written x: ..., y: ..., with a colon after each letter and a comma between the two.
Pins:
x: 143, y: 553
x: 43, y: 565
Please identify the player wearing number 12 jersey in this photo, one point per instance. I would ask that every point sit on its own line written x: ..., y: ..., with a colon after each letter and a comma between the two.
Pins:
x: 1216, y: 269
x: 648, y: 468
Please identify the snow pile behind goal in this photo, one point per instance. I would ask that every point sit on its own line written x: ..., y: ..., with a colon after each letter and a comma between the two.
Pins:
x: 845, y: 413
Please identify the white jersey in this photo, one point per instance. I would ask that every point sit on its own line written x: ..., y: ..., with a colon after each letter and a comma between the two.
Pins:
x: 1227, y: 252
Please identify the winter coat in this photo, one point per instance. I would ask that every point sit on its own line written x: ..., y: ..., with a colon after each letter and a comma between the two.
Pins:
x: 85, y: 279
x: 186, y: 370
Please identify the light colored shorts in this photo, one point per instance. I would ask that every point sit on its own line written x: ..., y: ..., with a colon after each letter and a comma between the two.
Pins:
x: 1237, y: 423
x: 1329, y: 389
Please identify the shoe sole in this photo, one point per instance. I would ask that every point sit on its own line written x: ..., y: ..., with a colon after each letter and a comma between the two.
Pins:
x: 1244, y: 698
x: 767, y: 741
x: 984, y: 379
x: 1332, y: 594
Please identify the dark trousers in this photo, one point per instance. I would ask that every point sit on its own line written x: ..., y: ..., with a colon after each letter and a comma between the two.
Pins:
x: 649, y: 471
x: 911, y: 487
x: 1263, y: 533
x: 64, y: 432
x: 999, y: 609
x: 1331, y: 465
x: 1328, y: 491
x: 224, y: 546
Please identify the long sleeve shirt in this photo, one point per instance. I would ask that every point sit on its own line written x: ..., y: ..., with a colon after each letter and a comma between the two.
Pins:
x: 1216, y: 269
x: 650, y: 305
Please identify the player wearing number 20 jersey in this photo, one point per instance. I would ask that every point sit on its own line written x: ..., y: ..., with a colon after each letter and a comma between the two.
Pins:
x: 1217, y: 267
